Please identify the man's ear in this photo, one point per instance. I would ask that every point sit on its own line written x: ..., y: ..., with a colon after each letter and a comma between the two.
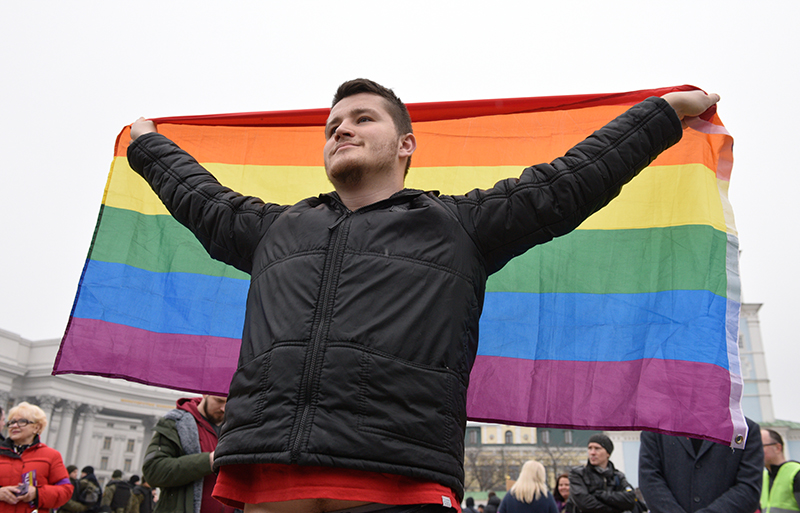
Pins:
x: 408, y: 143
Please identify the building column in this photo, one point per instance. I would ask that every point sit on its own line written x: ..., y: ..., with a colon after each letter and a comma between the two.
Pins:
x: 149, y: 423
x: 5, y: 399
x: 85, y: 456
x: 47, y: 403
x: 65, y: 428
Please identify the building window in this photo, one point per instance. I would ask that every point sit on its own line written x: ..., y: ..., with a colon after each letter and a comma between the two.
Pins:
x: 107, y: 443
x: 109, y: 424
x: 545, y: 436
x: 509, y: 437
x: 127, y: 465
x: 134, y: 427
x: 104, y: 463
x: 568, y: 437
x: 131, y: 443
x: 472, y: 436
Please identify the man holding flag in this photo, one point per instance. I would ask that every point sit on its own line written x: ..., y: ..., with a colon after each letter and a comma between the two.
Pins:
x: 362, y: 315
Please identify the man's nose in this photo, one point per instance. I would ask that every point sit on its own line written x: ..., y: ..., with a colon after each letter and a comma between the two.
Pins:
x: 344, y: 130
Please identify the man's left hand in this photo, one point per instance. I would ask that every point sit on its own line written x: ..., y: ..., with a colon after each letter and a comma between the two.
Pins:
x: 690, y: 103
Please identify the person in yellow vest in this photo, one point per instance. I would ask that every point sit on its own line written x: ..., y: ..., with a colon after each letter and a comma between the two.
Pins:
x: 781, y: 490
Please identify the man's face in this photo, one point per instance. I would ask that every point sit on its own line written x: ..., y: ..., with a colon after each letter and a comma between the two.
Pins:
x: 598, y: 456
x: 773, y: 452
x: 212, y: 407
x: 361, y: 141
x: 74, y: 474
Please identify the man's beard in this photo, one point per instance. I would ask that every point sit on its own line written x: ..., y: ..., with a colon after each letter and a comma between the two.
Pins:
x: 349, y: 174
x: 352, y: 172
x: 208, y: 416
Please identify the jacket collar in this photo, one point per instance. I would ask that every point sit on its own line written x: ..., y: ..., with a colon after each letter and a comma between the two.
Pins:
x: 7, y: 447
x: 609, y: 468
x: 687, y: 445
x: 403, y: 196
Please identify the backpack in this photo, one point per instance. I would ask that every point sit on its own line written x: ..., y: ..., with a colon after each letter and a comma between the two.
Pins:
x: 90, y: 494
x: 122, y: 493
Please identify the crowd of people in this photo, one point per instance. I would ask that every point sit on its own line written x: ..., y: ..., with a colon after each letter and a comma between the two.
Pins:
x: 676, y: 474
x: 33, y: 476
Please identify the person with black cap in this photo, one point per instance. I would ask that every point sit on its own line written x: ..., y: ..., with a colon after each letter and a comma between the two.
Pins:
x: 599, y: 487
x: 89, y: 495
x: 74, y: 505
x: 141, y: 500
x: 117, y: 494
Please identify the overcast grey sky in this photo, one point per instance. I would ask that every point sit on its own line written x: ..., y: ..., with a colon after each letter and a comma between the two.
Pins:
x: 75, y: 73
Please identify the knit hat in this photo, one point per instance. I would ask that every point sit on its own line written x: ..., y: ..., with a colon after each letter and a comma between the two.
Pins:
x: 604, y: 442
x: 88, y: 469
x: 116, y: 474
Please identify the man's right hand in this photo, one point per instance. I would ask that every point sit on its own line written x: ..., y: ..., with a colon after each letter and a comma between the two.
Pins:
x: 142, y: 126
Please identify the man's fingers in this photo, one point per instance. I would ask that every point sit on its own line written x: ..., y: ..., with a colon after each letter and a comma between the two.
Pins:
x: 142, y: 126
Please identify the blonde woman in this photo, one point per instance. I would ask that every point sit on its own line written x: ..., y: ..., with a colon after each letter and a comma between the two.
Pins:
x: 21, y: 454
x: 529, y: 494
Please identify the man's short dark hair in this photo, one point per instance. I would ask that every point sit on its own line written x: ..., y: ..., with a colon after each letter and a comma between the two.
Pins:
x: 117, y: 474
x: 71, y: 468
x: 396, y: 108
x: 775, y: 436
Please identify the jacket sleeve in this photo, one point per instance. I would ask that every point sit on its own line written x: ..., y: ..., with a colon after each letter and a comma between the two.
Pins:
x: 58, y: 489
x: 621, y: 499
x: 745, y: 495
x: 550, y: 200
x: 166, y: 466
x: 582, y: 498
x: 108, y: 496
x: 227, y: 224
x: 651, y: 476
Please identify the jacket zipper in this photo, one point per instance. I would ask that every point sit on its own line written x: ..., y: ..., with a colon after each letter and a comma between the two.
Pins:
x: 314, y: 359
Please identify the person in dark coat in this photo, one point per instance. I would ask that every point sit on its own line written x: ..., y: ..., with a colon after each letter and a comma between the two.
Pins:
x: 492, y: 503
x: 529, y: 494
x: 679, y: 474
x: 598, y: 487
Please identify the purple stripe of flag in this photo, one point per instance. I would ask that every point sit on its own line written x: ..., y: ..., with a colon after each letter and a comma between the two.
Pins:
x: 203, y: 364
x: 625, y: 395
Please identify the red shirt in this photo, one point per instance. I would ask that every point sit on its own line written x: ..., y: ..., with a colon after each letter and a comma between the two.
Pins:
x: 238, y: 485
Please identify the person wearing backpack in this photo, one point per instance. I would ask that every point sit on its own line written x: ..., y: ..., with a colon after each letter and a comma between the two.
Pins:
x: 117, y: 494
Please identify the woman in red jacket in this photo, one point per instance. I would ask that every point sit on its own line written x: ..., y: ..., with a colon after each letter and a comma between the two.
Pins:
x: 32, y: 475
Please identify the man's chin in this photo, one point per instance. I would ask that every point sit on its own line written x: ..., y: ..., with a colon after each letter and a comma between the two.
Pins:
x: 345, y: 175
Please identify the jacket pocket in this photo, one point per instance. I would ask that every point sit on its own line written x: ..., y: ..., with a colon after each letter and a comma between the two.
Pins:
x: 407, y: 402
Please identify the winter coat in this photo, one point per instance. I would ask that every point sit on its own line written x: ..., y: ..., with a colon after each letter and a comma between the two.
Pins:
x: 175, y: 462
x: 544, y: 504
x: 52, y: 480
x: 600, y: 492
x: 716, y: 479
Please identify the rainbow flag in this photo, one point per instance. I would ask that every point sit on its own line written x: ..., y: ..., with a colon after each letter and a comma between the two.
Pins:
x: 629, y: 322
